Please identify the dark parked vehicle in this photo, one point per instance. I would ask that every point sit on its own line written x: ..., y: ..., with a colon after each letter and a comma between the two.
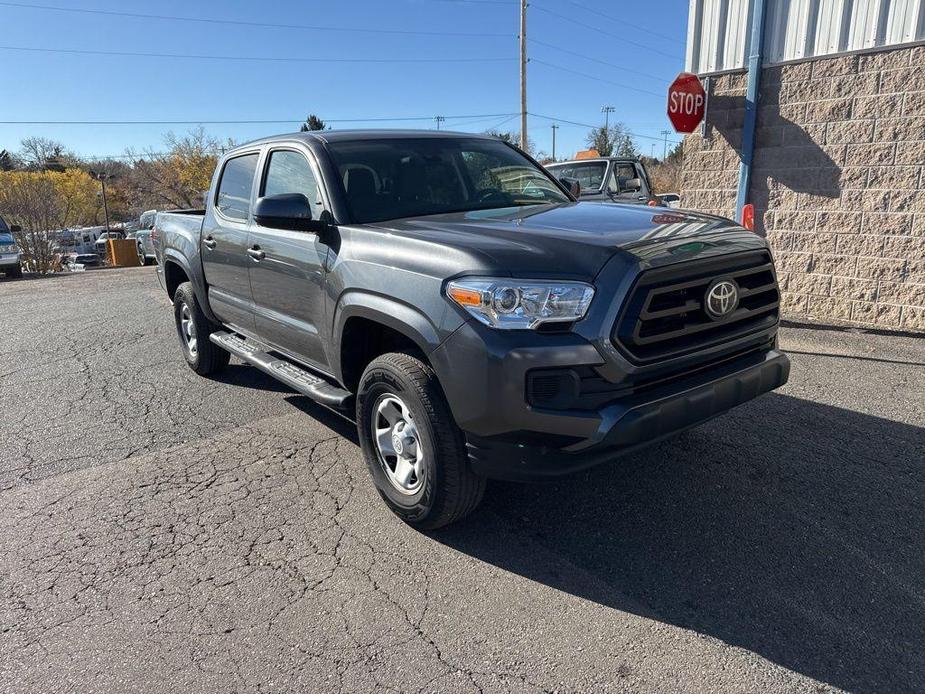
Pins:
x: 608, y: 179
x: 478, y: 321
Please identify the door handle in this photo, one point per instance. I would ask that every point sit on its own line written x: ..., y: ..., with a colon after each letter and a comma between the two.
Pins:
x: 209, y: 243
x: 255, y: 253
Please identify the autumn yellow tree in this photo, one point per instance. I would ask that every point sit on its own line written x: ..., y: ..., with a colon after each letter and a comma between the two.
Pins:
x: 176, y: 178
x: 46, y: 201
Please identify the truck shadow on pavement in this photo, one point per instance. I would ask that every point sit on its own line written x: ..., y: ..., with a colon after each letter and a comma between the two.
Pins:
x: 787, y: 527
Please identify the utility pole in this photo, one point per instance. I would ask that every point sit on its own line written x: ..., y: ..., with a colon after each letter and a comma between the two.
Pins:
x: 666, y: 133
x: 607, y: 110
x: 439, y: 120
x: 523, y: 75
x: 554, y: 128
x: 101, y: 177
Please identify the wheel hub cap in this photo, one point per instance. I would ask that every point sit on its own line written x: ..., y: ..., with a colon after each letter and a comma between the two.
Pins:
x: 397, y: 447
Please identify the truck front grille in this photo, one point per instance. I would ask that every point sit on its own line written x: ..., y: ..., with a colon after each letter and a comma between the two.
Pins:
x: 665, y: 315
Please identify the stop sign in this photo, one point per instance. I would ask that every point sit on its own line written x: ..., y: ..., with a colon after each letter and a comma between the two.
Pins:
x: 686, y: 102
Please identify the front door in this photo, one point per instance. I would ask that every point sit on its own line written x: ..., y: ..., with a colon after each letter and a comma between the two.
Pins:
x: 223, y: 244
x: 288, y: 280
x: 619, y: 180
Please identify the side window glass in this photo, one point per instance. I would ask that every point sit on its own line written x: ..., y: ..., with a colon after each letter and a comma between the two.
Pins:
x: 234, y: 188
x: 290, y: 172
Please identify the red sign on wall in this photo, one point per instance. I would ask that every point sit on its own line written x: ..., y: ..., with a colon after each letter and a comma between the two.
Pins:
x: 686, y: 102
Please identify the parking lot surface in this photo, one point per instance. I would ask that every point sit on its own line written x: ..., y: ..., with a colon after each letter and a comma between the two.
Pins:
x: 162, y: 532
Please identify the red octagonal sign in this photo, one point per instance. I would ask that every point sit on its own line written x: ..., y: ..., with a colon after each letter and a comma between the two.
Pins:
x: 686, y: 102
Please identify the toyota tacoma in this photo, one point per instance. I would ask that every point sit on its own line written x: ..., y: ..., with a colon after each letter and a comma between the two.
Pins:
x: 454, y: 298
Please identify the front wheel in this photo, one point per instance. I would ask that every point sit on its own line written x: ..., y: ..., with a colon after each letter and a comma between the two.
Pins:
x: 14, y: 272
x: 193, y: 328
x: 415, y: 453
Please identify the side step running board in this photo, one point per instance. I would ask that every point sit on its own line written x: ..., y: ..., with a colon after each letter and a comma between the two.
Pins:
x: 297, y: 378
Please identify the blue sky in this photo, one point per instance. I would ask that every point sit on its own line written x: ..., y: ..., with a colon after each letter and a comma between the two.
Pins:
x: 629, y: 52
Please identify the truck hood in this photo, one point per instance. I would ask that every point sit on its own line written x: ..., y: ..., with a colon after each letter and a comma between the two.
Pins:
x: 577, y: 239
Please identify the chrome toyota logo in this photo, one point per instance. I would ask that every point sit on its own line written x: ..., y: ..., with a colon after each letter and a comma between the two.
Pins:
x: 721, y: 299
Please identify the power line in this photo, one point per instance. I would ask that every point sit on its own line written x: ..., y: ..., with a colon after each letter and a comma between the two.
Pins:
x: 619, y: 20
x: 589, y: 125
x: 80, y: 51
x: 237, y: 22
x: 625, y: 40
x: 596, y: 60
x: 596, y: 78
x: 247, y: 122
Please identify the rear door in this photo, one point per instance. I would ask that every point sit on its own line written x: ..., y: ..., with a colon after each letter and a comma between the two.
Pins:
x: 288, y: 279
x: 224, y: 242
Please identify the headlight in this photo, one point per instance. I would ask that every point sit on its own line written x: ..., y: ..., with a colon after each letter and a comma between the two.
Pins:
x: 9, y: 249
x: 513, y: 304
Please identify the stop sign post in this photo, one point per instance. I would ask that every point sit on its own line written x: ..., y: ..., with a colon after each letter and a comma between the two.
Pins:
x: 687, y: 102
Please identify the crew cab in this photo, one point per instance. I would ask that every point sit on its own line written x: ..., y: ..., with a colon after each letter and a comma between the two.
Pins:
x: 456, y: 300
x: 609, y: 179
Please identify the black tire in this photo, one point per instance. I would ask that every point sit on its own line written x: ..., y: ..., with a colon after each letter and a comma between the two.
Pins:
x: 450, y: 490
x: 142, y: 258
x: 207, y: 357
x: 14, y: 272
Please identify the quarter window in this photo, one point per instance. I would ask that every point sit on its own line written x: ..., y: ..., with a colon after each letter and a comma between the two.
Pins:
x: 234, y: 189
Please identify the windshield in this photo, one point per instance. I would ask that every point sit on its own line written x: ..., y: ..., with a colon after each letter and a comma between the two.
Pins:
x: 589, y: 174
x: 3, y: 227
x: 6, y: 238
x: 394, y: 178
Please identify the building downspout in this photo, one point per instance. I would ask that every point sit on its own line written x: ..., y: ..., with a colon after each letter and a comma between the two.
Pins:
x: 755, y: 60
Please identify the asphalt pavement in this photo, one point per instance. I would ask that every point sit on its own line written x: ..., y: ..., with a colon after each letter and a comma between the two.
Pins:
x: 162, y: 532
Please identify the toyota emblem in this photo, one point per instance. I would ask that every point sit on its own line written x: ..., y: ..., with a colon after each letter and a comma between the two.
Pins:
x: 721, y: 299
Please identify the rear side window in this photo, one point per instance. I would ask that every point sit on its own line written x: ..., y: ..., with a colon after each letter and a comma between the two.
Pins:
x: 234, y: 188
x: 290, y: 172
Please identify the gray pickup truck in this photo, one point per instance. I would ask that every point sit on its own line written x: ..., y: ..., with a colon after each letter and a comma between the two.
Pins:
x: 478, y: 322
x: 609, y: 179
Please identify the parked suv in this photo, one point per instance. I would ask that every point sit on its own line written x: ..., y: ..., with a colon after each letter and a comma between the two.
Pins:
x: 609, y: 179
x: 476, y: 320
x: 10, y: 263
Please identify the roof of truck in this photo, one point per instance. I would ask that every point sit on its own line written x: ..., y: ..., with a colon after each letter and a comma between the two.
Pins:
x: 363, y: 134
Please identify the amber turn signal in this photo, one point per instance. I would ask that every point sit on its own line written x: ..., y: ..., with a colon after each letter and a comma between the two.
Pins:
x: 464, y: 296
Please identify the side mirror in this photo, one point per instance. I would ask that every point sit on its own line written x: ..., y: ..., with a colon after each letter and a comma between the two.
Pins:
x: 572, y: 184
x: 633, y: 184
x: 290, y: 211
x: 15, y: 228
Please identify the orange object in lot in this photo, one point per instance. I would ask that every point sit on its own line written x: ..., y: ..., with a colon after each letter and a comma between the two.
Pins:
x: 588, y: 154
x: 123, y: 252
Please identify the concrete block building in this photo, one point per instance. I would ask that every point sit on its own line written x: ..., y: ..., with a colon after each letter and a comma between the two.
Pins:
x: 838, y: 164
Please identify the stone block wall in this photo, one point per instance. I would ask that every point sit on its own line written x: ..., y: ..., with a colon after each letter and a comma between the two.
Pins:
x: 838, y: 182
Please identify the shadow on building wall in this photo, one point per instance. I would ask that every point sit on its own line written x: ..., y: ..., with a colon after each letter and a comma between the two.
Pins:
x: 788, y: 158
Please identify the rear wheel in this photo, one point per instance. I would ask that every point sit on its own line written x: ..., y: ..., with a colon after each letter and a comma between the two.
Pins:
x: 142, y: 258
x: 193, y: 328
x: 415, y: 453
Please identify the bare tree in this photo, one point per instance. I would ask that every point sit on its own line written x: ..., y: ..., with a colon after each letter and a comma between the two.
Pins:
x: 42, y: 153
x: 612, y: 141
x: 176, y: 178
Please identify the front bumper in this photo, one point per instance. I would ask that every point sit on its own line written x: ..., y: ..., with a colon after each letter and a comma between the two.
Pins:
x: 636, y: 421
x: 9, y: 260
x: 484, y: 374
